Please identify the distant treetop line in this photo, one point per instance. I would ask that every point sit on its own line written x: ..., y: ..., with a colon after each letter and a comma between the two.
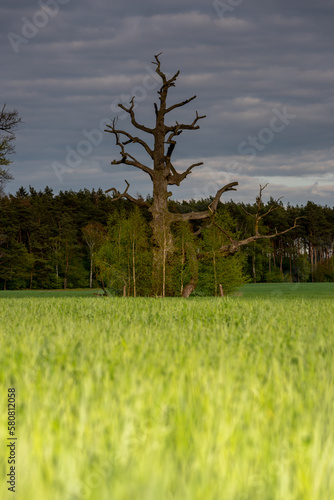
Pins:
x: 44, y: 243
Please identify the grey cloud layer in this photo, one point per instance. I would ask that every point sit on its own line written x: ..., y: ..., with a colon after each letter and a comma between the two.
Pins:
x: 260, y: 57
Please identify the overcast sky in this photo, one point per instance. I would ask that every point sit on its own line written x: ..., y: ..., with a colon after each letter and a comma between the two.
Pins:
x: 262, y: 71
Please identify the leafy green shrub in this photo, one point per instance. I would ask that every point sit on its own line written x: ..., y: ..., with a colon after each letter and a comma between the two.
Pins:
x: 275, y: 276
x: 324, y: 271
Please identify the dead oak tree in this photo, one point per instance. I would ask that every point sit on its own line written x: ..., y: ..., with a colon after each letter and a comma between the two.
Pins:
x: 163, y: 174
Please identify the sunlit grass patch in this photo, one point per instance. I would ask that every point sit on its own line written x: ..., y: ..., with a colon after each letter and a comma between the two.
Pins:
x: 169, y: 398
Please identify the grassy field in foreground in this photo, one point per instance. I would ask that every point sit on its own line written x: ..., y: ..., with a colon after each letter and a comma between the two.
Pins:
x: 284, y: 290
x: 151, y: 399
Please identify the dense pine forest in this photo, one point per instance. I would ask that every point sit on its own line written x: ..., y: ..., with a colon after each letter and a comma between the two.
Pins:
x: 87, y: 239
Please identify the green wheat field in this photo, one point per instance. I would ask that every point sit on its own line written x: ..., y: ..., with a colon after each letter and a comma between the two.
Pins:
x: 159, y: 399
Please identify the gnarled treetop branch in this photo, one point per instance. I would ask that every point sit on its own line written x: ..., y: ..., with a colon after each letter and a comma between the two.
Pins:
x: 162, y: 171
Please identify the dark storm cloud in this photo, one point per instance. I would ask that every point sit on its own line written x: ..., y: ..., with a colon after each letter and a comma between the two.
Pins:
x: 249, y: 62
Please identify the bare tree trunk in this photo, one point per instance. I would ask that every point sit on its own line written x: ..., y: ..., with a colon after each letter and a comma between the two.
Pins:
x: 274, y: 257
x: 129, y: 279
x: 134, y: 269
x: 66, y: 269
x: 215, y: 272
x: 163, y: 245
x: 190, y: 287
x: 91, y: 274
x: 183, y: 259
x: 254, y: 268
x: 311, y: 257
x: 30, y: 251
x: 298, y: 255
x: 315, y: 256
x: 162, y: 248
x: 164, y: 263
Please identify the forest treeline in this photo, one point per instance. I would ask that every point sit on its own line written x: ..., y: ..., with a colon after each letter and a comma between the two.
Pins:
x: 85, y: 239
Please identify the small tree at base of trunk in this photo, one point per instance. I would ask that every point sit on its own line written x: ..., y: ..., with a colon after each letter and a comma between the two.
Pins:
x: 94, y: 234
x: 163, y: 174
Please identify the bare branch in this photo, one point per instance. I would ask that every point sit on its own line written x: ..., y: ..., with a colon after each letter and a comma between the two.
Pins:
x: 229, y: 187
x: 179, y: 104
x: 125, y: 155
x: 166, y: 83
x: 223, y: 230
x: 211, y: 209
x: 132, y: 139
x: 158, y: 65
x: 176, y: 131
x: 133, y: 163
x: 257, y: 217
x: 177, y: 178
x: 195, y: 121
x: 170, y: 149
x: 172, y: 144
x: 201, y: 228
x: 9, y: 120
x: 183, y: 126
x: 133, y: 117
x: 125, y: 194
x: 191, y: 216
x: 246, y: 212
x: 235, y: 245
x: 272, y: 208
